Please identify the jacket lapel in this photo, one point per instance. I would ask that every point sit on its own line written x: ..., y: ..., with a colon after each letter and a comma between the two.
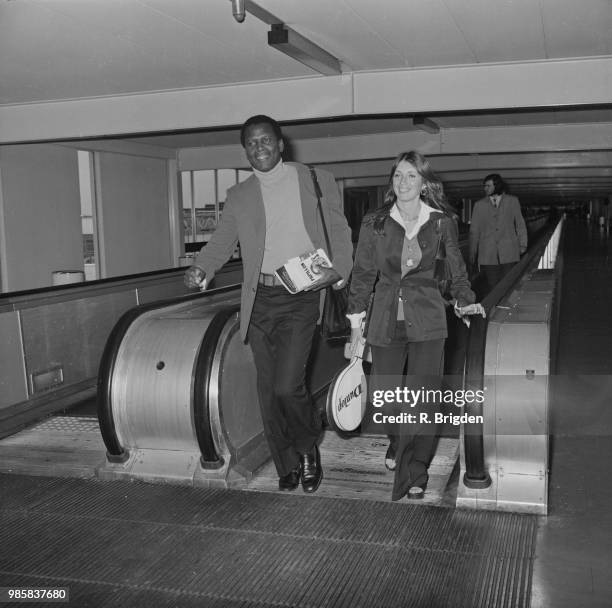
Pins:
x: 427, y: 243
x: 389, y: 249
x: 308, y: 203
x: 252, y: 202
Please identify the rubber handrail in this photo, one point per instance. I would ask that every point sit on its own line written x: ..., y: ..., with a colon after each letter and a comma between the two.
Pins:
x: 202, y: 376
x: 96, y: 283
x: 115, y: 452
x: 476, y: 475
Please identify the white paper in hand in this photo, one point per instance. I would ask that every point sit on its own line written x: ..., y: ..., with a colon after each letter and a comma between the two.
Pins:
x: 297, y: 273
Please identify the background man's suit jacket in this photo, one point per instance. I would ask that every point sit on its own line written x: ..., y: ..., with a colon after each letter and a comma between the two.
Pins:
x: 497, y: 236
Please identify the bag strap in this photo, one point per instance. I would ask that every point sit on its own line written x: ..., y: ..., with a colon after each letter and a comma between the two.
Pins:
x: 319, y: 194
x: 368, y: 316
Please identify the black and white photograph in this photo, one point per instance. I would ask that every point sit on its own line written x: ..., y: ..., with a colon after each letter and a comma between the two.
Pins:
x: 424, y: 421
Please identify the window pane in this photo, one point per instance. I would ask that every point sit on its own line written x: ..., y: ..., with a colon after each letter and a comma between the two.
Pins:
x: 187, y: 200
x: 226, y: 178
x: 87, y: 224
x: 186, y: 189
x: 204, y: 197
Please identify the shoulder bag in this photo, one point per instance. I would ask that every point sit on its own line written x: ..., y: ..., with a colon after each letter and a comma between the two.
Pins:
x: 334, y: 324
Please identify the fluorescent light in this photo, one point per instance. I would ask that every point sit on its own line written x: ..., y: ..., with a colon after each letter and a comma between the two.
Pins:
x: 425, y: 124
x: 293, y: 44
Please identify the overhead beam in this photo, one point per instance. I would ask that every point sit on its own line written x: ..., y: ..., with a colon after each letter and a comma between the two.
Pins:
x: 551, y: 83
x: 520, y: 186
x: 288, y: 41
x: 563, y: 145
x: 223, y: 106
x: 120, y: 146
x: 597, y: 175
x: 260, y: 13
x: 572, y: 82
x: 482, y: 164
x: 559, y: 137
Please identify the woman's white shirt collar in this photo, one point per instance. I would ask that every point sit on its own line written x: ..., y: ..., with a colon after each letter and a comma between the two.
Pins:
x: 424, y: 213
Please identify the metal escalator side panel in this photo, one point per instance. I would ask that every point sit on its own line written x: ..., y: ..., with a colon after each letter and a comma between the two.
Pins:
x: 476, y: 475
x: 116, y: 451
x: 151, y: 391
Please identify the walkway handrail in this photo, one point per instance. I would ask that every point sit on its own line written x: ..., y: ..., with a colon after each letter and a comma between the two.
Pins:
x: 476, y: 475
x: 200, y: 397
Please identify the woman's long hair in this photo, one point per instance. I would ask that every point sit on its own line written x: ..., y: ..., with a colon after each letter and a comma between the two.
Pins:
x: 432, y: 193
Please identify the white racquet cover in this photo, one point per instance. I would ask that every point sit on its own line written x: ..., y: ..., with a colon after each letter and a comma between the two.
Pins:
x: 347, y: 395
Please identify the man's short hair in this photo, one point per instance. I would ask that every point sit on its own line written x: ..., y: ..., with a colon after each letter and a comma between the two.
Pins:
x: 260, y: 119
x: 499, y: 184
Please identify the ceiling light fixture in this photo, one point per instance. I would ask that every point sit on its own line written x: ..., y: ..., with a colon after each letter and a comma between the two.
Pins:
x: 296, y: 46
x: 238, y: 10
x: 425, y: 124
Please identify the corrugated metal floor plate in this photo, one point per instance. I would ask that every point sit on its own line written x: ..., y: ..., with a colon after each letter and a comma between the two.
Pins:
x: 135, y: 544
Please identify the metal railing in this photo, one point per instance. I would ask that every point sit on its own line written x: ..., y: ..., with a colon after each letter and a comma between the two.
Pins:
x: 541, y: 255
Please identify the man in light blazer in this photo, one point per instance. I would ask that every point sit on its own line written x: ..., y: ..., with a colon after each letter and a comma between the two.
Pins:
x: 274, y: 216
x: 498, y: 235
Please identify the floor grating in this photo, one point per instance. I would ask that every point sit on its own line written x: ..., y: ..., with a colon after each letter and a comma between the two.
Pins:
x: 137, y: 544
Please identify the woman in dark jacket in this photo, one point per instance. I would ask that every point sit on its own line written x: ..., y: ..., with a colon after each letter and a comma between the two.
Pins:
x: 407, y: 323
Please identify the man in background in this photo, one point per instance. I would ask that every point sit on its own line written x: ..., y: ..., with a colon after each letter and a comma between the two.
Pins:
x: 498, y: 235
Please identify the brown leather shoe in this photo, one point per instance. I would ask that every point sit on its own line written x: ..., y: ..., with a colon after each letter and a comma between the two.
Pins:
x: 312, y: 473
x: 291, y: 481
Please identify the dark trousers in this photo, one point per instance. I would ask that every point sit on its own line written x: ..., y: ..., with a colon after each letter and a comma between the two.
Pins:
x: 494, y: 273
x: 280, y: 336
x: 414, y: 443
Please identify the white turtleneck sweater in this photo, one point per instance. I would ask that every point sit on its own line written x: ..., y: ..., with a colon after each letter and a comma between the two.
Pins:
x: 286, y: 235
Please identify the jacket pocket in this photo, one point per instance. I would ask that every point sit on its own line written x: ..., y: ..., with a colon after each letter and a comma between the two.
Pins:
x: 384, y: 314
x: 424, y: 312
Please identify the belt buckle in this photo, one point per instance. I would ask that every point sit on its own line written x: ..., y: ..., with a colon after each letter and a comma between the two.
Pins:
x: 268, y: 280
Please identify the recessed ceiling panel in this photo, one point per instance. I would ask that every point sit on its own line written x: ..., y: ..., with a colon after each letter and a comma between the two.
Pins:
x: 577, y: 29
x: 503, y: 30
x: 423, y: 32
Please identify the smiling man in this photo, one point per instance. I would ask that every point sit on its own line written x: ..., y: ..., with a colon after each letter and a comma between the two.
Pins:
x: 274, y: 216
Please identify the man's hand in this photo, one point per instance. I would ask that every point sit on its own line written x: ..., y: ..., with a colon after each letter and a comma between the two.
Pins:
x: 470, y: 309
x: 195, y: 277
x: 328, y: 276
